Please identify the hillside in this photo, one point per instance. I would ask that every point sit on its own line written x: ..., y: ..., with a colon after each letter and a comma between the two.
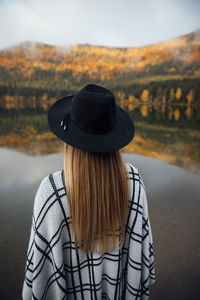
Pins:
x: 35, y: 74
x: 178, y: 55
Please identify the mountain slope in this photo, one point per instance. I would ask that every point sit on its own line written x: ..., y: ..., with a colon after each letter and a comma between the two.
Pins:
x: 176, y: 56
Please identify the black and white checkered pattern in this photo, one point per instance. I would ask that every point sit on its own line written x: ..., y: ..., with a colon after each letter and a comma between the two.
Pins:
x: 56, y: 269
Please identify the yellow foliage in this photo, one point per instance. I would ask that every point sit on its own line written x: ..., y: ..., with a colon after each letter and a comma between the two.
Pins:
x: 96, y: 61
x: 121, y: 98
x: 190, y: 96
x: 130, y: 106
x: 31, y: 142
x: 177, y: 114
x: 144, y: 110
x: 188, y: 112
x: 131, y: 98
x: 145, y: 95
x: 178, y: 93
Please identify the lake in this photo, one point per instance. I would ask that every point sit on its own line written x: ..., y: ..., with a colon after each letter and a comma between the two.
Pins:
x: 174, y: 205
x: 168, y: 133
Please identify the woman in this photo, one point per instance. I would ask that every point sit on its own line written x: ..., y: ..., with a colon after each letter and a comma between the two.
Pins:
x: 91, y: 236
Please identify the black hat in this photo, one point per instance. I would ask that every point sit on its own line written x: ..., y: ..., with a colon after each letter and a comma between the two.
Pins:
x: 91, y: 120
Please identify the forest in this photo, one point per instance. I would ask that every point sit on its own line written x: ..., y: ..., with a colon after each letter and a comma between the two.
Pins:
x: 159, y: 85
x: 34, y: 75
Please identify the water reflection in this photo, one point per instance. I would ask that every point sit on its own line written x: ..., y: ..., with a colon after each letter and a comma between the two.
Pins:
x: 177, y: 114
x: 144, y: 110
x: 164, y: 130
x: 186, y: 112
x: 157, y: 107
x: 21, y: 175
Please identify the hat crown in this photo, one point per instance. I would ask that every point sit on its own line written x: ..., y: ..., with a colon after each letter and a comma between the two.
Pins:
x: 93, y: 109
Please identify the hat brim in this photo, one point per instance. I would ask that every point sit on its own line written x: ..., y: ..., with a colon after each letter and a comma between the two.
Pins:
x: 120, y: 135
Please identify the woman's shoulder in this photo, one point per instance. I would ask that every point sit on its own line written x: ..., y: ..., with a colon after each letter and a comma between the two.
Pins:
x: 55, y: 178
x: 134, y: 174
x: 131, y: 168
x: 50, y: 184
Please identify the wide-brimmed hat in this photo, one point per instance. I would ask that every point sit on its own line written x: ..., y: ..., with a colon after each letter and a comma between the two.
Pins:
x: 91, y: 120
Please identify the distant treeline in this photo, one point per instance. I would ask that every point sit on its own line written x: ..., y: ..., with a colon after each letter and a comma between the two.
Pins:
x: 169, y: 92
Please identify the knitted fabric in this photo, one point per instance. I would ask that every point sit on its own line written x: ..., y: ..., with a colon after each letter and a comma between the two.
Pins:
x: 57, y: 269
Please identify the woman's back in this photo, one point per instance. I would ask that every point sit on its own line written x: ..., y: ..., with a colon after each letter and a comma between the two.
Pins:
x: 58, y: 269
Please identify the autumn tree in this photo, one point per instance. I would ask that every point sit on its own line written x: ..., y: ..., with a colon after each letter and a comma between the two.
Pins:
x: 144, y: 110
x: 130, y: 102
x: 190, y: 96
x: 178, y: 93
x: 121, y: 98
x: 131, y: 99
x: 188, y: 112
x: 145, y: 95
x: 177, y: 114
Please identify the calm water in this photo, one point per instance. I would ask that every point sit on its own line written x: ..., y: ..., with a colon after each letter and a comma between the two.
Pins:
x: 168, y: 132
x: 173, y: 201
x: 173, y: 115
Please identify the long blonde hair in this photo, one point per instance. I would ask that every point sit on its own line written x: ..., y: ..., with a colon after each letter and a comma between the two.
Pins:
x: 97, y: 191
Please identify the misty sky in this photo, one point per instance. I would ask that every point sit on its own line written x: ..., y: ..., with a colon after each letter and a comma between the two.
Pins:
x: 100, y: 22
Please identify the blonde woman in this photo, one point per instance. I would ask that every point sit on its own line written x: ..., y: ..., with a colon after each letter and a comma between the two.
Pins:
x: 91, y: 236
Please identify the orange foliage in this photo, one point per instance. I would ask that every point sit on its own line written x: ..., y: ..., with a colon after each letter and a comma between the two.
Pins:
x: 97, y: 61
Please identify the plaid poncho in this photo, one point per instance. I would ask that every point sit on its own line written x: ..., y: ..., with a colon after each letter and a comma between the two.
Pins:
x: 56, y: 269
